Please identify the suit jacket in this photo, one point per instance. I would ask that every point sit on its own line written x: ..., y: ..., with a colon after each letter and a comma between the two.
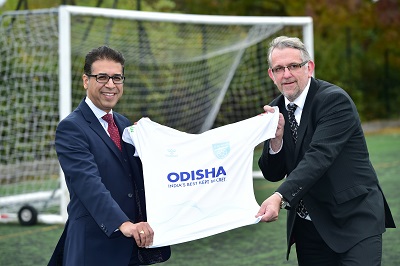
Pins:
x: 105, y: 186
x: 329, y: 168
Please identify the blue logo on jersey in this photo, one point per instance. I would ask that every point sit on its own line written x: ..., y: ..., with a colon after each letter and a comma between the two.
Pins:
x: 196, y: 174
x: 221, y: 150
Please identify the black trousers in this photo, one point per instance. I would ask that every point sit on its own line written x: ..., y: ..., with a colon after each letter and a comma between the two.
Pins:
x: 313, y: 251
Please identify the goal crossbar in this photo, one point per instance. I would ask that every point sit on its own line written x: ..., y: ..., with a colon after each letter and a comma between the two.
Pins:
x: 186, y: 18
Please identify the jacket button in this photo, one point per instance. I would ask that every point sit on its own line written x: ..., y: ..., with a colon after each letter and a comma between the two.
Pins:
x: 130, y: 195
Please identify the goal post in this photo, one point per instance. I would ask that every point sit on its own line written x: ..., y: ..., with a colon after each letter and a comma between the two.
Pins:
x: 189, y: 72
x: 274, y: 24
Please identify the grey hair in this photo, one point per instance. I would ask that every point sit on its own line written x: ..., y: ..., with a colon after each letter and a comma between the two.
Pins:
x: 288, y: 42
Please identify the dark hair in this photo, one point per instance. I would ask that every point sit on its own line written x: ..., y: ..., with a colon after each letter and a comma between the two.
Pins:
x: 102, y: 53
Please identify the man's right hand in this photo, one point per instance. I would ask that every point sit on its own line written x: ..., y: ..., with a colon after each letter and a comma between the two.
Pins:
x: 276, y: 143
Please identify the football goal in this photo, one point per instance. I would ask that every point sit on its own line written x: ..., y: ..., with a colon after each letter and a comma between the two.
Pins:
x: 189, y: 72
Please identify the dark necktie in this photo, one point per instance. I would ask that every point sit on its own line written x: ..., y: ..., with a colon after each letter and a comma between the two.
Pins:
x: 114, y: 135
x: 301, y: 209
x: 113, y: 130
x: 292, y: 120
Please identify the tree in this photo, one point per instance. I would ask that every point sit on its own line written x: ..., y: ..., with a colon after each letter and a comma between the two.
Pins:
x: 355, y: 41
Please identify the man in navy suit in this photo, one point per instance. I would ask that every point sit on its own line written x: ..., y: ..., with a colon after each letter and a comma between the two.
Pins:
x: 320, y: 155
x: 106, y: 213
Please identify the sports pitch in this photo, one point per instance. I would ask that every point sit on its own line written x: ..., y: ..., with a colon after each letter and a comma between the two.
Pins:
x: 260, y: 244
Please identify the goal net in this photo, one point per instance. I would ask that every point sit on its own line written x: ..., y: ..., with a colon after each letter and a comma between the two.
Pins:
x: 189, y: 72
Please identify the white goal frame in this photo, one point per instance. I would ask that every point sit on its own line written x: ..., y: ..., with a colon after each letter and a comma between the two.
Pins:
x: 65, y: 13
x: 65, y: 75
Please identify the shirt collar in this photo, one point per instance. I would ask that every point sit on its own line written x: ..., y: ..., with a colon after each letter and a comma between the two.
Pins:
x: 97, y: 111
x: 300, y: 101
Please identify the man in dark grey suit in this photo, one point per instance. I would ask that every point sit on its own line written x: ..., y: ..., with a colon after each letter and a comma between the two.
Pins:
x: 337, y: 211
x: 106, y: 213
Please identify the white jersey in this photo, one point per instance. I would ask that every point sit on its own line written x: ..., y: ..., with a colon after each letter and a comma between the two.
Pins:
x: 198, y: 185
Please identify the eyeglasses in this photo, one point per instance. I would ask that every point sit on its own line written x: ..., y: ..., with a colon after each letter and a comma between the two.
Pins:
x: 292, y: 67
x: 104, y: 78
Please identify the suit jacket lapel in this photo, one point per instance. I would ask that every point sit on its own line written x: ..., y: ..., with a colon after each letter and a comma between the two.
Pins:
x: 98, y: 128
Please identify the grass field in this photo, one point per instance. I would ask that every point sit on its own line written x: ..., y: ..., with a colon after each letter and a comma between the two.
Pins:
x: 260, y: 244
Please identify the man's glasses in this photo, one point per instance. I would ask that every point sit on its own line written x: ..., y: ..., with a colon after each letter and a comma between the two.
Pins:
x: 104, y: 78
x: 291, y: 68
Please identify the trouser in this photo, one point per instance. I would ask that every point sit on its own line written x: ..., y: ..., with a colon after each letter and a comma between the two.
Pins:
x: 313, y: 251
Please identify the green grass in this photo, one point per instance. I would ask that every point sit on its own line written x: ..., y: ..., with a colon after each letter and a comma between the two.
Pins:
x: 260, y: 244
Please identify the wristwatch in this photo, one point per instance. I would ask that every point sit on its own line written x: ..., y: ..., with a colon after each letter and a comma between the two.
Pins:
x: 284, y: 204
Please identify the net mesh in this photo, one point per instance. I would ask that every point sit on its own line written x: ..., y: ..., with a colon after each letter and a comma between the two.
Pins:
x: 176, y: 72
x: 29, y: 104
